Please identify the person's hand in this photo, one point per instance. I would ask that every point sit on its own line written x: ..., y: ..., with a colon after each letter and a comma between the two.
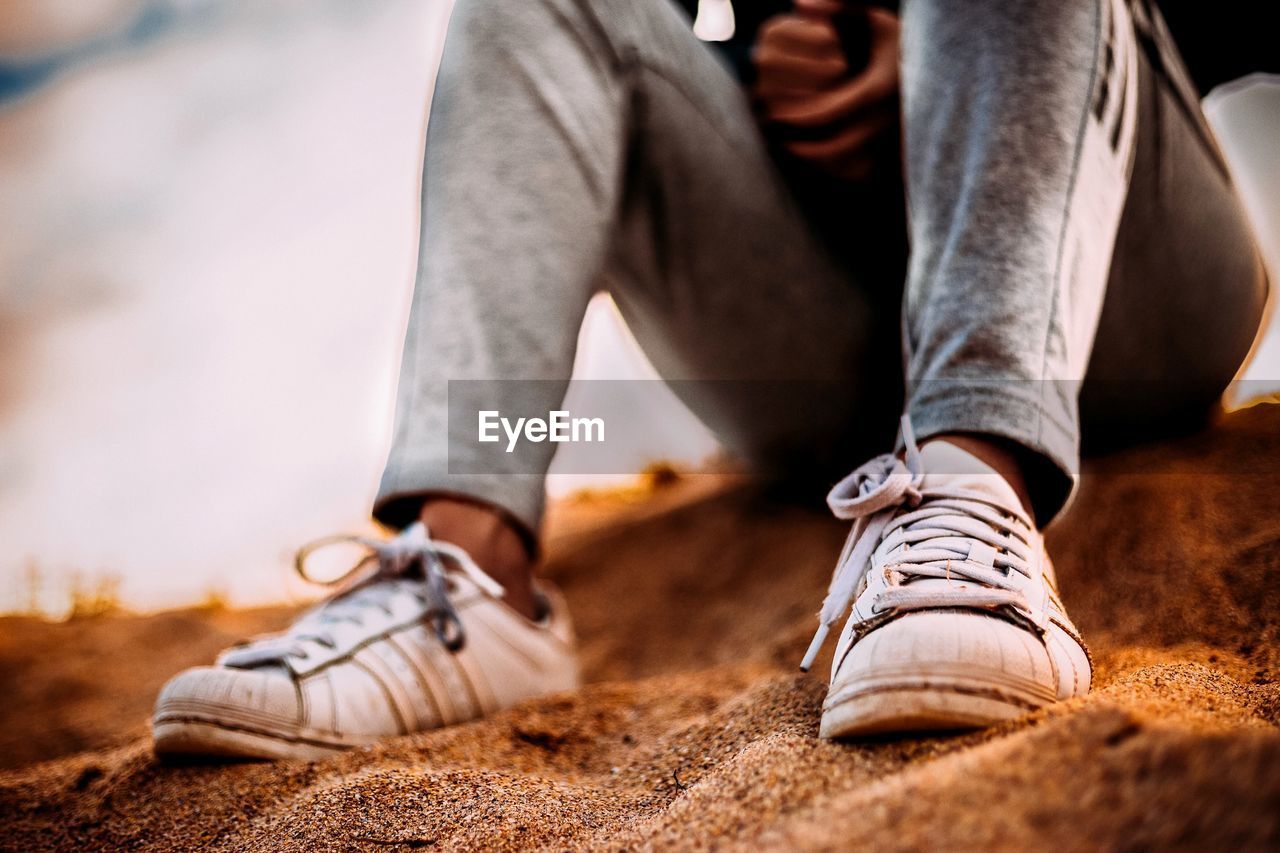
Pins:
x: 842, y: 119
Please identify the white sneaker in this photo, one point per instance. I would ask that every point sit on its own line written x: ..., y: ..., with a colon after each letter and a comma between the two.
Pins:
x: 408, y: 647
x: 956, y: 620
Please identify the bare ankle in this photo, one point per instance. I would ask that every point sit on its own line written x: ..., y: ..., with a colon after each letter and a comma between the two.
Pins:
x: 492, y: 543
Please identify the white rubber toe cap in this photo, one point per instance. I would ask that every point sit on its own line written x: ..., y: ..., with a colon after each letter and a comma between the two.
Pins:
x: 252, y: 700
x: 942, y: 669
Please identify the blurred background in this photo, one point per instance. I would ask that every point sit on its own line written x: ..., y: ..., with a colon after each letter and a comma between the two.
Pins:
x: 208, y: 215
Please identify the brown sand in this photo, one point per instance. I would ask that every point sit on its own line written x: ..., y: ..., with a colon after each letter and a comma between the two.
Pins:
x: 697, y: 730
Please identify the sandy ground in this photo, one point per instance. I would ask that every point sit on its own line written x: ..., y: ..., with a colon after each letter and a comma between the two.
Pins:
x: 696, y: 729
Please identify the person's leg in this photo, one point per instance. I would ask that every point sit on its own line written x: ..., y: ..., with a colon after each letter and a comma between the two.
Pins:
x: 1040, y: 136
x: 1015, y: 182
x: 1014, y: 190
x: 1187, y: 286
x: 574, y: 144
x: 1034, y: 134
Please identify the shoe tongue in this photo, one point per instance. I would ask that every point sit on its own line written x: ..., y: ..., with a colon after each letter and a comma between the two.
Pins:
x: 946, y: 466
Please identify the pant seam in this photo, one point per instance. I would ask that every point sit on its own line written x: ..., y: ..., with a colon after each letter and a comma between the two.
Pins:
x: 1066, y: 212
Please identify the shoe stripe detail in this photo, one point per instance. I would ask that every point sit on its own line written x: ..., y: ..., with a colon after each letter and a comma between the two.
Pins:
x: 304, y: 703
x: 447, y: 671
x: 430, y: 655
x: 367, y: 661
x: 429, y: 714
x: 470, y: 675
x: 400, y: 679
x: 333, y: 702
x: 460, y: 689
x: 432, y: 689
x: 406, y: 682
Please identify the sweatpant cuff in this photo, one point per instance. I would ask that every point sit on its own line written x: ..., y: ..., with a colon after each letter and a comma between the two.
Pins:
x: 1019, y: 415
x: 518, y: 498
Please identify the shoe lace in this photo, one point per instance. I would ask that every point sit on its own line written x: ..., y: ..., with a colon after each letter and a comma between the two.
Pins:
x: 411, y: 562
x: 950, y: 533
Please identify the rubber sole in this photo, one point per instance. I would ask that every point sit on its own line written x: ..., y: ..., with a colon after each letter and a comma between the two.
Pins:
x: 199, y: 738
x: 918, y: 709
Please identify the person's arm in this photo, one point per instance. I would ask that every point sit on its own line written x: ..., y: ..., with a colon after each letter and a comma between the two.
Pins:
x: 830, y: 101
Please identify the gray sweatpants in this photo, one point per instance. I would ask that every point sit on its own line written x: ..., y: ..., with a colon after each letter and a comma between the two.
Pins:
x: 1077, y: 251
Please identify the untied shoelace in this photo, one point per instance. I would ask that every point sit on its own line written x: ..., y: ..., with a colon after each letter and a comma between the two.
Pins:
x: 366, y: 586
x: 952, y: 533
